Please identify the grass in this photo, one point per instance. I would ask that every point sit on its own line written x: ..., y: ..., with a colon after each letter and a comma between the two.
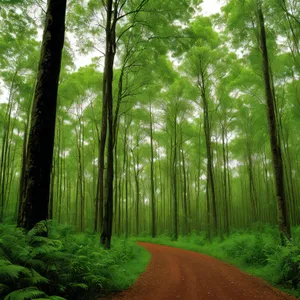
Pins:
x: 64, y: 265
x: 126, y: 274
x: 256, y: 251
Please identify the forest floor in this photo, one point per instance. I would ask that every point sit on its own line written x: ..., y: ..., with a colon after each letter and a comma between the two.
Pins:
x: 181, y: 274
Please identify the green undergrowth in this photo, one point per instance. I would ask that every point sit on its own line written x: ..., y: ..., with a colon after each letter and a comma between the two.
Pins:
x: 256, y: 252
x: 64, y: 265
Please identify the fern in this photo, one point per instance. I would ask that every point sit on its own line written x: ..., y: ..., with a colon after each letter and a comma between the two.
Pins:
x: 25, y: 294
x: 64, y: 264
x: 9, y: 271
x: 79, y: 285
x: 36, y: 278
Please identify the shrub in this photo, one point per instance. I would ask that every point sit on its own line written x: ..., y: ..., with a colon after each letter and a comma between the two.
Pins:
x: 64, y: 265
x: 285, y: 263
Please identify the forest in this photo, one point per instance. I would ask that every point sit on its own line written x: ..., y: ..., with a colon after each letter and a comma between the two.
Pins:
x: 126, y: 121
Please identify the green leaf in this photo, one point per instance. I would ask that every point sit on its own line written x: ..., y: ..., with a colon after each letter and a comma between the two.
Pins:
x: 25, y: 294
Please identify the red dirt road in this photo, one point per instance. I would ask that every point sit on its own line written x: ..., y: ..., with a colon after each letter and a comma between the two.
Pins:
x: 180, y: 274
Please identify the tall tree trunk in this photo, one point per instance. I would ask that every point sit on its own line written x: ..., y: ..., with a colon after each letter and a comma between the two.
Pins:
x: 137, y: 191
x: 153, y: 227
x: 174, y: 173
x: 116, y: 194
x: 111, y: 20
x: 226, y: 217
x: 126, y: 184
x: 34, y: 206
x: 185, y: 208
x: 210, y: 177
x: 283, y: 221
x: 252, y: 191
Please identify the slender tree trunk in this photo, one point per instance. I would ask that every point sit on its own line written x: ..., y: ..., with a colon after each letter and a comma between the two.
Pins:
x: 283, y: 221
x: 153, y: 204
x: 111, y: 20
x: 76, y: 200
x: 126, y: 185
x: 210, y: 177
x: 137, y: 186
x: 35, y: 202
x: 116, y: 194
x: 68, y: 182
x: 175, y: 201
x: 58, y: 177
x: 253, y: 198
x: 185, y: 208
x: 226, y: 217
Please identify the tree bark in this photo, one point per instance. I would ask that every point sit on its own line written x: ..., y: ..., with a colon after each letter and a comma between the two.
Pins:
x: 210, y: 177
x: 34, y: 206
x: 283, y: 220
x: 111, y: 20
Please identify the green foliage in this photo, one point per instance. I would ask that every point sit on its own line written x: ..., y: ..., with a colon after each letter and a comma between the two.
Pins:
x: 65, y: 265
x: 286, y: 262
x: 11, y: 2
x: 26, y: 293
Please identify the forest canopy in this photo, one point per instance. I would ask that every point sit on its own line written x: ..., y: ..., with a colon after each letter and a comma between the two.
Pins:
x: 179, y: 122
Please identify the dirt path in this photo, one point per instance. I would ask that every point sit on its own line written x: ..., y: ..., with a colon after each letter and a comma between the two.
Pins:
x: 180, y: 274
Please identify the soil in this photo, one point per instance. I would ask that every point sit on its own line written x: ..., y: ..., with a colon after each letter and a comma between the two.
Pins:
x: 180, y: 274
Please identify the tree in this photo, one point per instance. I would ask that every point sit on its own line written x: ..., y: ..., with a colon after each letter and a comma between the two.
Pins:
x: 283, y: 221
x: 34, y: 206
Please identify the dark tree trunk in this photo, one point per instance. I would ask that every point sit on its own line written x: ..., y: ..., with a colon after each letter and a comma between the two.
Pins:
x: 111, y: 19
x: 34, y: 207
x: 253, y: 198
x: 210, y: 177
x: 283, y: 220
x: 101, y: 166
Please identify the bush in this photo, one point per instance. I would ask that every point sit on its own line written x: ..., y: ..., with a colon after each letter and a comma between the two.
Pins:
x: 64, y: 265
x: 285, y: 263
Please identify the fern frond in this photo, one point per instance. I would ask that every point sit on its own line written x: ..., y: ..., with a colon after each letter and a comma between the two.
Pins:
x: 36, y: 278
x: 36, y: 263
x: 25, y: 294
x: 79, y: 286
x: 10, y: 271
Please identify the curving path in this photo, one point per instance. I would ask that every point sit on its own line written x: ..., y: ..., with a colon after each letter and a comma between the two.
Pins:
x: 180, y: 274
